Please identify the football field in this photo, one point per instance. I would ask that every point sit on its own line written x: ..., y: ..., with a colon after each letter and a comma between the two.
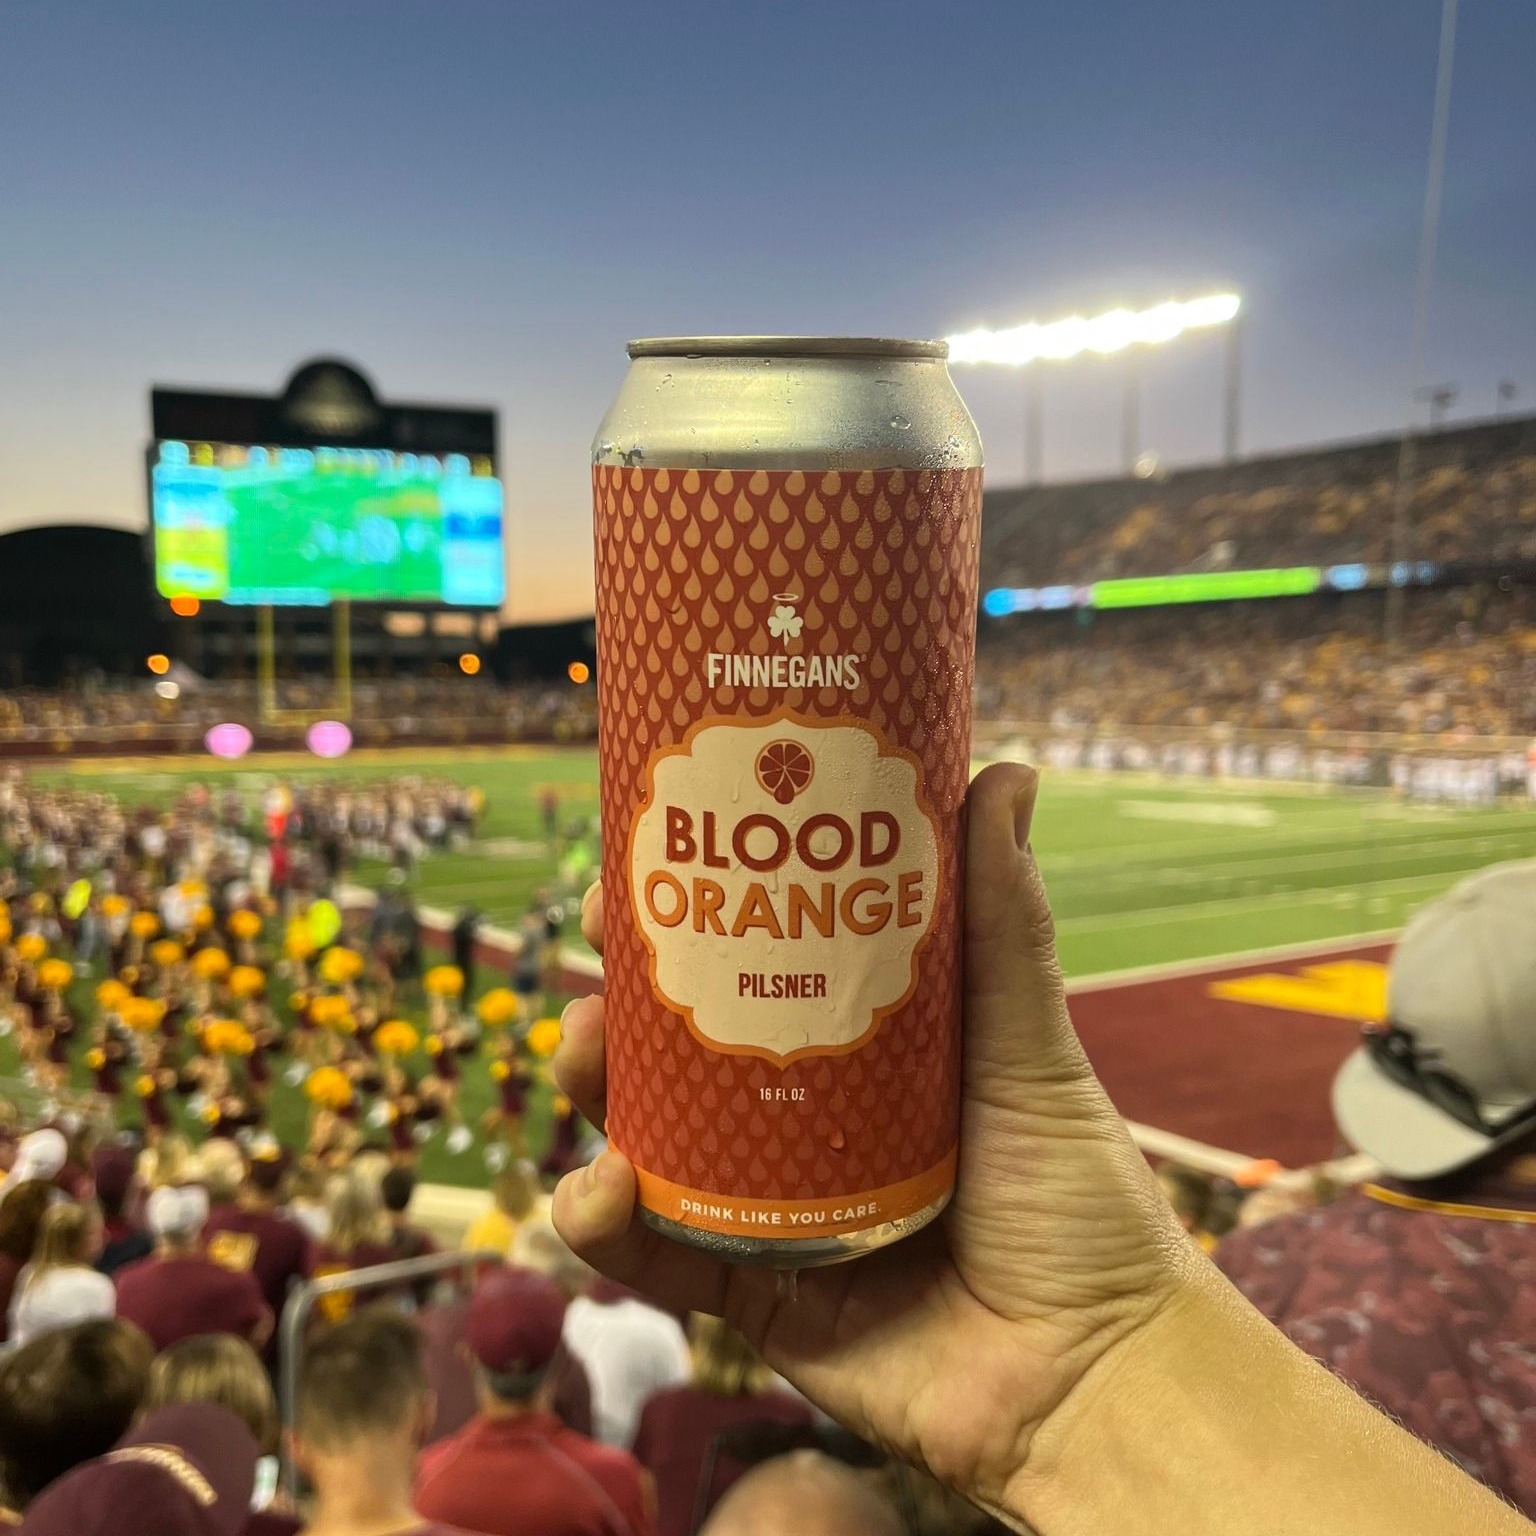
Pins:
x: 1223, y: 943
x: 1140, y: 871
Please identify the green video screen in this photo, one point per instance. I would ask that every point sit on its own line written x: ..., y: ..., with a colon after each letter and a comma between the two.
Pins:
x: 1205, y: 587
x: 238, y: 523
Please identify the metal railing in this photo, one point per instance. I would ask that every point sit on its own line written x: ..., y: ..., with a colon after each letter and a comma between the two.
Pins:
x: 300, y: 1307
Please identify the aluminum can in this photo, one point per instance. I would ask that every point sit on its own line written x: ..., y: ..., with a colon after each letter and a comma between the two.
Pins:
x: 787, y: 533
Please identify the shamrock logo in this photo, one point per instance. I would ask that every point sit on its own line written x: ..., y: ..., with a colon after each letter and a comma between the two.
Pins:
x: 784, y: 623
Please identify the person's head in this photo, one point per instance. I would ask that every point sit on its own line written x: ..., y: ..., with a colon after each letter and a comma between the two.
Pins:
x: 1189, y: 1192
x: 40, y: 1155
x: 355, y: 1207
x: 723, y: 1362
x: 67, y: 1397
x: 188, y: 1470
x: 167, y: 1162
x: 113, y: 1170
x: 221, y: 1169
x: 515, y: 1189
x: 538, y: 1246
x: 70, y: 1233
x: 1449, y: 1080
x: 803, y: 1494
x: 511, y: 1333
x: 175, y: 1215
x: 397, y: 1187
x: 362, y: 1398
x: 268, y: 1170
x: 21, y: 1214
x: 217, y: 1368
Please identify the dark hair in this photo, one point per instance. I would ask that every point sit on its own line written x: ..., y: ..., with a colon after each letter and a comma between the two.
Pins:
x: 67, y: 1397
x: 360, y: 1377
x: 397, y: 1186
x: 21, y: 1214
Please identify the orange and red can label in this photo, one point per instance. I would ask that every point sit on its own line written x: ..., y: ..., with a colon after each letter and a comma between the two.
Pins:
x: 785, y: 663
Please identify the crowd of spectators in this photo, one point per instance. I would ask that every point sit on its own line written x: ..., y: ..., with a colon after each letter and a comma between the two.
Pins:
x: 1474, y: 498
x: 1466, y: 665
x: 539, y: 1400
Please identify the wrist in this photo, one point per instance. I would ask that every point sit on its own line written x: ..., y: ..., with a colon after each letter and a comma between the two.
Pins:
x: 1144, y: 1406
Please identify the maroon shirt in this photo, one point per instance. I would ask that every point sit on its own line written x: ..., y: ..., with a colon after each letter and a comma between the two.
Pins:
x: 10, y: 1271
x: 677, y: 1426
x: 174, y: 1298
x: 531, y: 1476
x: 1428, y: 1307
x: 273, y: 1247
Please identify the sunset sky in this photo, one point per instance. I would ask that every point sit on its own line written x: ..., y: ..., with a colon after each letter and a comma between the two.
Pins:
x: 481, y: 200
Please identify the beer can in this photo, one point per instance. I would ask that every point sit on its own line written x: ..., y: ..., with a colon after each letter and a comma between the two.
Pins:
x: 787, y: 535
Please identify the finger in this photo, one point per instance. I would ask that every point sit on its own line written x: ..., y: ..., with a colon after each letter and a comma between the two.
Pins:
x: 592, y: 915
x: 579, y: 1064
x: 1016, y: 1023
x: 594, y: 1211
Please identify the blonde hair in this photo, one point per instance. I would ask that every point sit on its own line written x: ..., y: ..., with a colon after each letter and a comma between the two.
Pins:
x: 60, y: 1237
x: 355, y: 1205
x: 221, y: 1169
x: 217, y: 1368
x: 167, y: 1162
x: 723, y: 1362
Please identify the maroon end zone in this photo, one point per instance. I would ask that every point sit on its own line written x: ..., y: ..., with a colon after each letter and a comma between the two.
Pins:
x: 1242, y: 1076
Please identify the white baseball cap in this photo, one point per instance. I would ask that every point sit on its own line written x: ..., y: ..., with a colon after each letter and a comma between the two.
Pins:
x: 1461, y: 1004
x: 177, y: 1210
x: 40, y: 1155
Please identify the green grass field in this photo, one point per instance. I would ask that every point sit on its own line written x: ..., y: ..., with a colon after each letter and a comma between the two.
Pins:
x: 1140, y: 871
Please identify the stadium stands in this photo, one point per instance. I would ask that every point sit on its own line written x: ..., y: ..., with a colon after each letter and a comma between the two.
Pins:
x: 1474, y: 498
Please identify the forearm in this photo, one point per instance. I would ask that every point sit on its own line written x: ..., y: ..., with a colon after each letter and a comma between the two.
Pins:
x: 1211, y: 1423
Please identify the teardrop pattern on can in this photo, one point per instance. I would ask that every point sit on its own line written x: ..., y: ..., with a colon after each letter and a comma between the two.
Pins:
x: 882, y: 568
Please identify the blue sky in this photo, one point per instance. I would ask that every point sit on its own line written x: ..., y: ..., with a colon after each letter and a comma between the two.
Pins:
x: 481, y: 200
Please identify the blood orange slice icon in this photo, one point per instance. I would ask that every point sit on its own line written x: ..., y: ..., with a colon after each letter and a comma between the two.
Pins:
x: 784, y: 768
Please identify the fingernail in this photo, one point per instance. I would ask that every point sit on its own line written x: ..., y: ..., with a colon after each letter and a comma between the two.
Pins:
x: 564, y: 1013
x: 587, y: 895
x: 1024, y: 808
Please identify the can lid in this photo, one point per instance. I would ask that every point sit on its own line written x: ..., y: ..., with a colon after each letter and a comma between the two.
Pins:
x: 785, y: 346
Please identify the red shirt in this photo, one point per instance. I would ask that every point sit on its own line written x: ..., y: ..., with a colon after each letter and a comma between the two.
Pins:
x: 677, y: 1426
x: 531, y: 1476
x: 1427, y: 1306
x: 174, y: 1298
x: 274, y: 1248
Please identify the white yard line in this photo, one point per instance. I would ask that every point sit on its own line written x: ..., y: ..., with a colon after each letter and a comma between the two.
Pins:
x: 1148, y: 916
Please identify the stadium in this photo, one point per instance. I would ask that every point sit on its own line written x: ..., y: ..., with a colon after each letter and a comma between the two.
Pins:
x: 374, y: 1162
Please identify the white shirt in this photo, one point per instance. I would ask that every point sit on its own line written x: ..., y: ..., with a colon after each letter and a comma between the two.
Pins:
x: 629, y: 1350
x: 59, y: 1298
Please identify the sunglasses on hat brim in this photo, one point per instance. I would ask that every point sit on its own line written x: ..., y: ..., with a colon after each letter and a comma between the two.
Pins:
x: 1397, y: 1054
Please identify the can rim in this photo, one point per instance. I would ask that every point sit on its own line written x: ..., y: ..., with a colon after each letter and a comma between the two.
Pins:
x: 785, y: 346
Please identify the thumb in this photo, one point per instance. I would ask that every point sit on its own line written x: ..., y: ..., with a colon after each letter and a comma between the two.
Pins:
x: 1016, y: 1027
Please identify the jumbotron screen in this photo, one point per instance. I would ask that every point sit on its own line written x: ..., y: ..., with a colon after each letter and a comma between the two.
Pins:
x: 307, y: 526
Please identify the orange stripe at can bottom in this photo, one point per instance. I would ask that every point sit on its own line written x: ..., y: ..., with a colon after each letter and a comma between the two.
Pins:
x: 838, y: 1216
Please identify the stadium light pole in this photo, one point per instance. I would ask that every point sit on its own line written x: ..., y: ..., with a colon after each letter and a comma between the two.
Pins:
x: 1116, y: 330
x: 1429, y: 238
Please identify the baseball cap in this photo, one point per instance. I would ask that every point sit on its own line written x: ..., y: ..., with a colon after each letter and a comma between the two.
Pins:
x: 39, y: 1155
x: 514, y: 1321
x: 269, y: 1163
x: 177, y: 1210
x: 1451, y: 1077
x: 186, y: 1470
